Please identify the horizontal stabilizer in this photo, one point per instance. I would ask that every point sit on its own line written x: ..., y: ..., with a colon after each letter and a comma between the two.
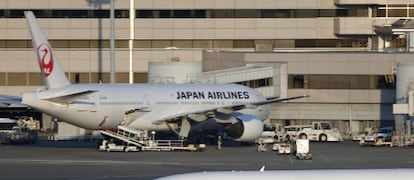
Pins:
x: 69, y: 97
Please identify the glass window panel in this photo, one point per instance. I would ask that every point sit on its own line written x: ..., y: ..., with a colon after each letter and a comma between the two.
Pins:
x: 59, y: 43
x: 17, y: 79
x: 79, y: 44
x: 202, y: 44
x: 35, y: 79
x: 284, y: 13
x: 281, y: 43
x: 397, y: 13
x: 2, y: 43
x: 78, y: 13
x: 222, y: 13
x: 60, y: 13
x: 161, y: 44
x: 122, y: 13
x: 17, y: 44
x: 144, y: 14
x: 223, y: 44
x: 357, y: 12
x: 381, y: 13
x: 243, y: 44
x: 296, y: 81
x: 142, y: 44
x: 94, y: 77
x: 200, y: 14
x: 268, y: 13
x: 105, y: 77
x: 327, y: 13
x: 122, y: 77
x: 306, y: 13
x: 16, y: 14
x: 360, y: 82
x: 341, y: 12
x: 164, y: 13
x: 339, y: 82
x: 182, y: 44
x: 246, y: 13
x: 384, y: 82
x: 80, y: 78
x: 101, y: 13
x: 99, y: 44
x: 318, y: 82
x: 121, y: 44
x: 3, y: 79
x: 140, y: 78
x: 182, y: 14
x: 326, y: 43
x: 305, y: 43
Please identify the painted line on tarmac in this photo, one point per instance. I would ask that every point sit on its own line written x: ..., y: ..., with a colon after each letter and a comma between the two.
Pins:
x: 112, y: 162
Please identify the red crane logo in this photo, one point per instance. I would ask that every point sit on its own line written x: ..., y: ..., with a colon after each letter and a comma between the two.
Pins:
x: 45, y: 59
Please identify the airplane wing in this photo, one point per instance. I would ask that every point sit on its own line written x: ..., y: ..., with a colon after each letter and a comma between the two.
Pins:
x: 60, y: 98
x: 14, y: 101
x: 276, y: 100
x: 229, y: 109
x: 6, y: 99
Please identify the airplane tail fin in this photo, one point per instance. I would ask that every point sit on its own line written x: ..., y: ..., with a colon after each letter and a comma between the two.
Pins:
x: 52, y: 72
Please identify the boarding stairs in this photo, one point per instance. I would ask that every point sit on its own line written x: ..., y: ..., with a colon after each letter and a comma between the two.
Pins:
x: 128, y: 135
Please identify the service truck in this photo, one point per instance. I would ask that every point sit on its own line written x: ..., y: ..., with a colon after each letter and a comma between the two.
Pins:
x: 18, y: 134
x: 380, y: 137
x: 320, y: 131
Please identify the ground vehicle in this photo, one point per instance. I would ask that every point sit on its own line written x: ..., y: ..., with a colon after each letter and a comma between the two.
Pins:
x: 379, y: 137
x: 291, y: 132
x: 284, y: 148
x: 18, y: 134
x: 302, y: 149
x: 320, y: 131
x: 271, y: 134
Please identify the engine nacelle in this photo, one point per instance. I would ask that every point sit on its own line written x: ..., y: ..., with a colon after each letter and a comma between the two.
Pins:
x: 247, y: 128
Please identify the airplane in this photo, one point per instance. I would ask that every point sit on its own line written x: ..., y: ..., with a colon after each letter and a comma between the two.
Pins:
x: 320, y: 174
x: 240, y: 110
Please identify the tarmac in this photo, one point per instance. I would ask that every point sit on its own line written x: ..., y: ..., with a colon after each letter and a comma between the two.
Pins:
x: 82, y: 160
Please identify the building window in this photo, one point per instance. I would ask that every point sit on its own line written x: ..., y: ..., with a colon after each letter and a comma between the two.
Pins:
x: 16, y: 79
x: 144, y: 14
x: 182, y: 14
x: 296, y: 81
x: 257, y: 83
x: 341, y: 81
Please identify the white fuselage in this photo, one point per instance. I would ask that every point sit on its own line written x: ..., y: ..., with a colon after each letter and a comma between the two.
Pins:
x: 327, y: 174
x: 150, y: 104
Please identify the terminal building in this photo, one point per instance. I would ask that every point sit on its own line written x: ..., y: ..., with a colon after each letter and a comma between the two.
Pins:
x: 343, y: 53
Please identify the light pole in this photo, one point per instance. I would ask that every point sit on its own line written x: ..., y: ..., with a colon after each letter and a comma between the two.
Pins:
x: 112, y: 43
x: 131, y: 38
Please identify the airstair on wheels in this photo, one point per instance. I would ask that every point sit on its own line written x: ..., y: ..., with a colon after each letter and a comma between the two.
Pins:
x: 127, y: 139
x: 128, y: 136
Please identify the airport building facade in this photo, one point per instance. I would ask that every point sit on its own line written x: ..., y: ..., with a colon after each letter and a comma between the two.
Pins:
x: 353, y: 88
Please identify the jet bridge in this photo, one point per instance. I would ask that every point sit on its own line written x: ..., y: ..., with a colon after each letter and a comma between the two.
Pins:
x: 403, y: 109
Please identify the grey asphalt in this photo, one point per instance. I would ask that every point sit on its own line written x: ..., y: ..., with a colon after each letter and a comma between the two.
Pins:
x: 82, y: 160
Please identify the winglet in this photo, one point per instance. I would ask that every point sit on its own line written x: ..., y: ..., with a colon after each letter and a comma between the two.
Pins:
x: 262, y: 169
x: 52, y: 72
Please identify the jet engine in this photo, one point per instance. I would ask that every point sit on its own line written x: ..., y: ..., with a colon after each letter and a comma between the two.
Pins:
x: 247, y: 128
